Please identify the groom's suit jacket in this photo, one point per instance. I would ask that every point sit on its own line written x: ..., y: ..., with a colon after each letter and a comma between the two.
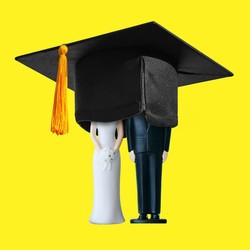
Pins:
x: 143, y: 137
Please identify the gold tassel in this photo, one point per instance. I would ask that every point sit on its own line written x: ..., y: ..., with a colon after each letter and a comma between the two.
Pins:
x: 59, y: 121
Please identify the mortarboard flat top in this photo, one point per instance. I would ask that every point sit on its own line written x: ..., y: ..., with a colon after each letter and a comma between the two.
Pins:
x: 191, y: 65
x: 126, y: 72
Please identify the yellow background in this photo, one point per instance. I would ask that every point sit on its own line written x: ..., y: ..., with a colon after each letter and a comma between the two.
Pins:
x: 46, y: 180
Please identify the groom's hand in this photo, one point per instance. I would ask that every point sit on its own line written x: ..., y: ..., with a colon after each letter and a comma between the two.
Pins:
x: 132, y: 156
x: 164, y: 156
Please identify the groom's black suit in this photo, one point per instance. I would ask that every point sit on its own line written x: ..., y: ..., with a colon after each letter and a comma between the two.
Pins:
x: 148, y: 143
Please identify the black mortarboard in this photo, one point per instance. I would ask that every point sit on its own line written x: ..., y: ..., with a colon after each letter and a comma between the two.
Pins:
x: 123, y: 73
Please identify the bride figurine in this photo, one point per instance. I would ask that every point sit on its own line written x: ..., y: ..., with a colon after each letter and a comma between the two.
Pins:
x: 106, y: 170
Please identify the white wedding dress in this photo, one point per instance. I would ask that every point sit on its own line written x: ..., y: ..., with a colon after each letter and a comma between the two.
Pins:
x: 106, y: 206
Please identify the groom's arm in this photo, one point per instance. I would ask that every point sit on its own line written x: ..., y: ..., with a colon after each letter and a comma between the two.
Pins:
x: 167, y: 138
x: 129, y: 134
x: 167, y: 135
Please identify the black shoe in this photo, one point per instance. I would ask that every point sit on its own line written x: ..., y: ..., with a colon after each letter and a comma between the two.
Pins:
x: 142, y: 219
x: 155, y: 218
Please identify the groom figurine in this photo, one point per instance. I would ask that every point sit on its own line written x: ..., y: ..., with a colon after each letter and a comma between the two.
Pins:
x: 148, y: 147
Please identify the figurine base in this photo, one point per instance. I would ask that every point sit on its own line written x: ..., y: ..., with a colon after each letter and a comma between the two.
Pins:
x: 148, y: 221
x: 158, y: 221
x: 139, y: 221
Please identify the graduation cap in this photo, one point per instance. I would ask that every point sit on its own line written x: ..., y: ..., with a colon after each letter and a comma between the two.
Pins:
x: 123, y: 73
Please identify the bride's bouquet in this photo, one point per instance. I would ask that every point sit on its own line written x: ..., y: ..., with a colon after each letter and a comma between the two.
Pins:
x: 108, y: 155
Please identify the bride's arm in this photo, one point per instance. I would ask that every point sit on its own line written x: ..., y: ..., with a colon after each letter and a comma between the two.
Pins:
x: 93, y: 136
x: 120, y: 132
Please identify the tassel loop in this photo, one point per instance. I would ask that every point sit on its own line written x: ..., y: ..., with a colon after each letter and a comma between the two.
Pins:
x: 59, y: 120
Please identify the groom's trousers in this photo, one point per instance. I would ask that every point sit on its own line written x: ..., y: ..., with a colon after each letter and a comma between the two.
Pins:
x: 148, y: 174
